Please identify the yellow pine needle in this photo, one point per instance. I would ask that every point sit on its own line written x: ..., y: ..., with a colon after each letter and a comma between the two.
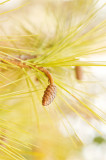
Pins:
x: 2, y: 40
x: 76, y: 63
x: 17, y: 93
x: 62, y: 45
x: 17, y: 49
x: 15, y: 81
x: 82, y: 103
x: 11, y: 148
x: 33, y: 101
x: 71, y: 138
x: 77, y: 113
x: 91, y: 103
x: 4, y: 77
x: 9, y: 123
x: 17, y: 36
x: 15, y: 8
x: 15, y: 141
x: 11, y: 154
x: 59, y: 109
x: 4, y: 2
x: 74, y: 110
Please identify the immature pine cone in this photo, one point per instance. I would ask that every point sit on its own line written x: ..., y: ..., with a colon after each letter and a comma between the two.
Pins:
x: 49, y: 95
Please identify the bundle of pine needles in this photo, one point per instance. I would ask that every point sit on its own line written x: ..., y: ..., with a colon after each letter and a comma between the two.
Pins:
x: 44, y: 80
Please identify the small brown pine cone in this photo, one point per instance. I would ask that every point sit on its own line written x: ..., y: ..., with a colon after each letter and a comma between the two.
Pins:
x: 79, y: 72
x: 49, y: 95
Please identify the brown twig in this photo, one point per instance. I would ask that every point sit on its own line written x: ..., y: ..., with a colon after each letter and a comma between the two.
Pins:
x: 50, y: 92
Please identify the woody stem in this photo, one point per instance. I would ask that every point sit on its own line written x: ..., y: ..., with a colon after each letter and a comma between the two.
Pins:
x: 24, y: 65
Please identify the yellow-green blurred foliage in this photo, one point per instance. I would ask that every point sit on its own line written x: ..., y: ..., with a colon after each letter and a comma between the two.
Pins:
x: 62, y: 35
